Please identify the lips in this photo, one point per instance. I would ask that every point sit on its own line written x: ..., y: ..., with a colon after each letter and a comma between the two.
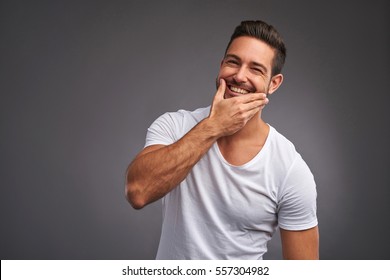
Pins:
x: 238, y: 90
x: 234, y: 89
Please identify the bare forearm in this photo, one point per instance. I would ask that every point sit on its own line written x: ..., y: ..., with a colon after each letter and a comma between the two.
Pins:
x: 153, y: 174
x: 159, y: 169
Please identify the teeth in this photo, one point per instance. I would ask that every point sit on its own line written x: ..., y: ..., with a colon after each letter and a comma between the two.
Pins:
x: 239, y: 90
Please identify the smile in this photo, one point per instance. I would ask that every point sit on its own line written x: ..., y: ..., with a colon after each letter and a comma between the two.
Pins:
x: 238, y: 90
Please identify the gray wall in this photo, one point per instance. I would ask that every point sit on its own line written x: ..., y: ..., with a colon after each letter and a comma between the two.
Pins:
x: 81, y: 81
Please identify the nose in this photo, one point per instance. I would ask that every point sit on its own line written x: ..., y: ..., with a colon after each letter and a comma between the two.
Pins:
x: 240, y: 76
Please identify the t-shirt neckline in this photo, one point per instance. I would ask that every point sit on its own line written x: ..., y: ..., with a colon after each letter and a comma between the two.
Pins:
x: 251, y: 161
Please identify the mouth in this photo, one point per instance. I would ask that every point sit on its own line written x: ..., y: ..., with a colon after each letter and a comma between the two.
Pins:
x: 238, y: 90
x: 233, y: 89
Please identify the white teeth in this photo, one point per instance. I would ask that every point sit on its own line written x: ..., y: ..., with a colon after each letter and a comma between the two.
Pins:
x: 238, y: 90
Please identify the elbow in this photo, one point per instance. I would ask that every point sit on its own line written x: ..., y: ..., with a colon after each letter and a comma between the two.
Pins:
x: 133, y: 192
x: 134, y: 197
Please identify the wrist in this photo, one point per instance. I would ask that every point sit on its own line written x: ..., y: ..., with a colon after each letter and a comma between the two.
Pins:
x: 210, y: 129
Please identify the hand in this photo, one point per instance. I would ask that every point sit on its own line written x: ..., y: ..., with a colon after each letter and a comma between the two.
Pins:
x: 230, y: 115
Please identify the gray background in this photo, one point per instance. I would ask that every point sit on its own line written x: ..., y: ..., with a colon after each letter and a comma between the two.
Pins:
x: 81, y: 81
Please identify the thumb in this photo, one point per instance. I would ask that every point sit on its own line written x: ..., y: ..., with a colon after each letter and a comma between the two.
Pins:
x: 219, y: 95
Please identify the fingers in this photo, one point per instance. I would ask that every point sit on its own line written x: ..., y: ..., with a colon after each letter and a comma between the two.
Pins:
x: 247, y: 98
x: 219, y: 95
x: 231, y: 114
x: 252, y: 106
x: 258, y: 104
x: 251, y: 101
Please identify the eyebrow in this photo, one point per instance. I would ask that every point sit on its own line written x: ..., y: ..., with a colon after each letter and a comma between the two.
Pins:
x: 258, y: 64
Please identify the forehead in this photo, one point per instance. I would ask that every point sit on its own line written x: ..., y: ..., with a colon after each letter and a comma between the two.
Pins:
x: 250, y: 50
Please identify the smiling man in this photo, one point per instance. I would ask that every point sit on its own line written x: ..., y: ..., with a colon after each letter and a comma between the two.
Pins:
x: 227, y: 179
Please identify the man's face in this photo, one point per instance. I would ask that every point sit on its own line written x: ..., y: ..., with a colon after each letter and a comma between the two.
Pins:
x: 246, y: 67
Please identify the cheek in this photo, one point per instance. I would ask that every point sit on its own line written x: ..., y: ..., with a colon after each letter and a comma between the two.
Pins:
x: 226, y: 71
x: 261, y: 84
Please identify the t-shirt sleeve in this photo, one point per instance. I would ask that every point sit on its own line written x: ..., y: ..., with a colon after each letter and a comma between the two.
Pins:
x: 163, y: 131
x: 297, y: 208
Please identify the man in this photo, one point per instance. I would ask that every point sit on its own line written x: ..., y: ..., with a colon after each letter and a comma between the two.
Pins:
x: 226, y: 178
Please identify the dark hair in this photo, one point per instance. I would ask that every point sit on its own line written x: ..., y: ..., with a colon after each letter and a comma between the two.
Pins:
x: 266, y: 33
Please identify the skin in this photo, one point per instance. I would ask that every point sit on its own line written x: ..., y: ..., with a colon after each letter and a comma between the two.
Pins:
x: 234, y: 123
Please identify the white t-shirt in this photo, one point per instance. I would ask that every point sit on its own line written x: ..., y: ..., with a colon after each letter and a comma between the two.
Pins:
x: 221, y: 211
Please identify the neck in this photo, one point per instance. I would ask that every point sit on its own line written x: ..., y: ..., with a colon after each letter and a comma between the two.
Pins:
x: 254, y: 128
x: 242, y: 146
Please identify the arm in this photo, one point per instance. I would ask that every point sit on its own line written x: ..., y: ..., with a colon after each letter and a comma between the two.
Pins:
x: 158, y: 168
x: 300, y: 245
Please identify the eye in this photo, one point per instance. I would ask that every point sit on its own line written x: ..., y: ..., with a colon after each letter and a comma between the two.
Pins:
x: 258, y: 71
x: 231, y: 62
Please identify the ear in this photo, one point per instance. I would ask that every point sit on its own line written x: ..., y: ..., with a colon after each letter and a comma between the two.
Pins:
x: 275, y: 83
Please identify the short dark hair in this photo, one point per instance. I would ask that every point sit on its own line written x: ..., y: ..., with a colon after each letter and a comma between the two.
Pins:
x: 266, y: 33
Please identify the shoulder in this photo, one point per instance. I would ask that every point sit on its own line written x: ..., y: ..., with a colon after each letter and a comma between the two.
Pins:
x: 171, y: 126
x: 186, y: 115
x: 288, y: 164
x: 282, y: 149
x: 296, y: 193
x: 196, y: 115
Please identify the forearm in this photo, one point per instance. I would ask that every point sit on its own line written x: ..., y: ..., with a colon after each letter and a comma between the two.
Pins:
x: 157, y: 170
x: 155, y: 173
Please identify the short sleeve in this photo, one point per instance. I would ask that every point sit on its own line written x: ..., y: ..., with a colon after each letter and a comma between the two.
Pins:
x: 297, y: 207
x: 163, y: 131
